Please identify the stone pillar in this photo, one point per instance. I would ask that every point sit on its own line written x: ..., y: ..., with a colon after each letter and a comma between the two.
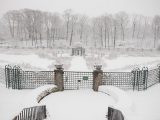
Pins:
x: 58, y: 77
x: 97, y: 77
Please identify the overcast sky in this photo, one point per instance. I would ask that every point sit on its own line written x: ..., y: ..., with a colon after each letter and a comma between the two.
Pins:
x: 88, y: 7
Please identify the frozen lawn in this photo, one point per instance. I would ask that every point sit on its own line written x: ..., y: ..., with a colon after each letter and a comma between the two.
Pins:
x: 78, y: 64
x: 147, y: 103
x: 128, y: 63
x: 11, y: 102
x: 77, y: 105
x: 80, y: 104
x: 29, y: 61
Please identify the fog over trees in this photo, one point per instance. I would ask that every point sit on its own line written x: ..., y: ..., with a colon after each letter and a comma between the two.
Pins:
x: 37, y: 27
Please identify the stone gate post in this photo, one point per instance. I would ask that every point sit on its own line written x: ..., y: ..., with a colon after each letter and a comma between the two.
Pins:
x: 97, y: 77
x: 58, y: 77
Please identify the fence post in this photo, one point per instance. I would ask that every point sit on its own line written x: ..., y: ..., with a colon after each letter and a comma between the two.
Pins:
x: 7, y: 75
x: 136, y: 79
x: 97, y: 77
x: 145, y: 77
x: 16, y: 77
x: 139, y: 78
x: 58, y: 77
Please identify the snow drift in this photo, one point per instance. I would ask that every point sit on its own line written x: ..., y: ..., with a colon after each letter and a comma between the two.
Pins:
x: 123, y: 102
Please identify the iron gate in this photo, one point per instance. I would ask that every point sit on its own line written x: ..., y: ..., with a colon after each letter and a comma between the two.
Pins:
x: 16, y: 78
x: 77, y: 80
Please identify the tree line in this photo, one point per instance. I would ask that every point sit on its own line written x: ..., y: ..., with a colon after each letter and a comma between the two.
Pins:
x: 103, y: 31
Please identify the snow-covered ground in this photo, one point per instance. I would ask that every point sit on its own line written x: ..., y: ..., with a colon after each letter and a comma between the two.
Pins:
x: 128, y: 63
x: 45, y: 60
x: 30, y: 60
x: 11, y: 102
x: 80, y: 104
x: 77, y: 105
x: 78, y: 63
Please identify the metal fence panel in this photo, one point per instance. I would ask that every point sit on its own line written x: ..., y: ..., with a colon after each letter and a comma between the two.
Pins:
x: 34, y: 79
x: 153, y: 77
x: 122, y: 80
x: 32, y: 113
x: 138, y: 79
x: 16, y: 78
x: 77, y: 80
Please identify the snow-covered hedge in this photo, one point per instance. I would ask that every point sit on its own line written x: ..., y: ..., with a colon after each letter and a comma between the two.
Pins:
x: 43, y: 91
x: 123, y: 102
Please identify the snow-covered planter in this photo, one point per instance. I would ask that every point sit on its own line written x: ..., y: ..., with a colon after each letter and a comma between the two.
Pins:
x: 43, y: 91
x: 123, y: 102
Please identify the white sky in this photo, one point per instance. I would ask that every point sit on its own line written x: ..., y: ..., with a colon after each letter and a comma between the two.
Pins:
x: 88, y: 7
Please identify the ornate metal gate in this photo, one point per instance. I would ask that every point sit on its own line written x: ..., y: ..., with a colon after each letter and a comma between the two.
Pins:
x: 77, y: 80
x: 16, y: 78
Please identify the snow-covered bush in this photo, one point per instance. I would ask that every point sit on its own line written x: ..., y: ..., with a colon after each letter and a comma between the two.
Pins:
x: 43, y: 91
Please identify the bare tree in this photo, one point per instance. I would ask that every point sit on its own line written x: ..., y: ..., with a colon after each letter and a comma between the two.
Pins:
x: 82, y: 21
x: 156, y: 28
x: 107, y: 28
x: 11, y: 19
x: 134, y: 25
x: 74, y: 19
x: 123, y: 20
x: 115, y: 24
x: 67, y: 16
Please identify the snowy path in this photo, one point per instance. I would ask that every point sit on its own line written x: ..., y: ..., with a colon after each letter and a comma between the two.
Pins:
x: 77, y: 105
x: 12, y: 102
x: 78, y: 63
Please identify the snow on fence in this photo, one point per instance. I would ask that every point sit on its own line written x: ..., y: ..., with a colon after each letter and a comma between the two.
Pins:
x: 138, y: 79
x: 16, y: 78
x: 122, y: 80
x: 32, y: 113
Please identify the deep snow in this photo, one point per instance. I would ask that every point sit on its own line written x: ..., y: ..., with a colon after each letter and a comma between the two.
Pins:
x: 80, y: 104
x: 78, y: 63
x: 77, y: 105
x: 128, y: 63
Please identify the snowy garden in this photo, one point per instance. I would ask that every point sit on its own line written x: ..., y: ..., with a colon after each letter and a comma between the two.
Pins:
x: 83, y: 103
x: 79, y: 60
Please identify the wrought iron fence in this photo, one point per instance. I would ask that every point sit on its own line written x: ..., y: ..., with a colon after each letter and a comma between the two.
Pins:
x: 34, y: 79
x: 137, y: 79
x: 16, y: 78
x: 32, y: 113
x: 77, y: 80
x: 153, y: 77
x: 123, y: 80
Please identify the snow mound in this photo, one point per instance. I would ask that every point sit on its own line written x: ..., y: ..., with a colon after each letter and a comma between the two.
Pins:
x: 40, y: 92
x: 123, y: 102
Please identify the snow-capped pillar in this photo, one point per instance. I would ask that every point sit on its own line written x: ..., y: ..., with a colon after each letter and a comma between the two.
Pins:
x: 97, y: 77
x: 58, y: 77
